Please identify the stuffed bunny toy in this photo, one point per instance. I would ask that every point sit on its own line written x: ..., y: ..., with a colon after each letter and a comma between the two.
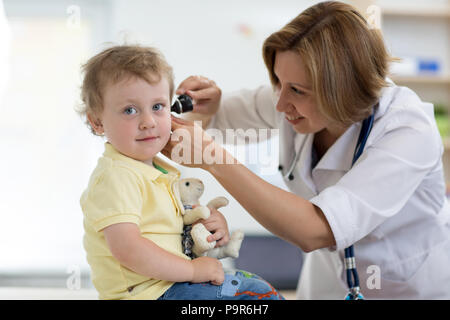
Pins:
x: 195, y: 243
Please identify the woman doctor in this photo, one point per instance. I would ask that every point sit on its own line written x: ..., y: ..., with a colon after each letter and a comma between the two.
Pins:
x: 328, y: 70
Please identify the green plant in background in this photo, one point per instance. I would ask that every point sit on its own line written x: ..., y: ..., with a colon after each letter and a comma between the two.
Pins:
x: 442, y: 119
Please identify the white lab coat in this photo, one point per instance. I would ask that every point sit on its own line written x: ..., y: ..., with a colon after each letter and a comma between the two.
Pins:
x: 391, y: 205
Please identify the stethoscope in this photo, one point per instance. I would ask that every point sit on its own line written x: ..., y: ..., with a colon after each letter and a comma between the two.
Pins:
x: 349, y: 261
x: 289, y: 173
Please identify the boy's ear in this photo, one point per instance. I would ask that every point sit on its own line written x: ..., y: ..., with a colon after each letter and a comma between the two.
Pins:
x: 96, y: 124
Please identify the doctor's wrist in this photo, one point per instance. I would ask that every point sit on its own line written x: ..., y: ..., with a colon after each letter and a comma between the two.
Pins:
x: 215, y: 156
x: 222, y: 159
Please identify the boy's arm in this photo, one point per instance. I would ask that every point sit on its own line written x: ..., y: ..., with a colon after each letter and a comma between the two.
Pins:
x: 145, y: 257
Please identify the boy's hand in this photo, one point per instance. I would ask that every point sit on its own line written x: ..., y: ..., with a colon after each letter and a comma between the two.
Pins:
x: 208, y: 269
x: 217, y: 225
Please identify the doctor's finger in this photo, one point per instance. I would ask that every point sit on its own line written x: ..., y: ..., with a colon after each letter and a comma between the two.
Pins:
x: 194, y: 83
x: 178, y: 123
x: 202, y: 94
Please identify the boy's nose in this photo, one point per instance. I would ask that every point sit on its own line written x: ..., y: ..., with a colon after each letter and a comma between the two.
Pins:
x: 147, y: 121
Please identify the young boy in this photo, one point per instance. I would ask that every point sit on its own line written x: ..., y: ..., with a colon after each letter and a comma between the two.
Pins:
x: 132, y: 224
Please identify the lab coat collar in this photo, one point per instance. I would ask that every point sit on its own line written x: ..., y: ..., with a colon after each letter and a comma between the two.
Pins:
x: 305, y: 159
x: 339, y: 156
x: 386, y: 97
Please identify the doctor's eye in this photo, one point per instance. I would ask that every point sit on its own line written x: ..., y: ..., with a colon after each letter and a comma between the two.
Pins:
x: 297, y: 91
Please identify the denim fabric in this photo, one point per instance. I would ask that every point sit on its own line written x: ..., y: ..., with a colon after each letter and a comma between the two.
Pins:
x: 238, y: 285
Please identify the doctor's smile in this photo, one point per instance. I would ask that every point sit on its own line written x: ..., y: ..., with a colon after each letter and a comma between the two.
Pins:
x: 293, y: 119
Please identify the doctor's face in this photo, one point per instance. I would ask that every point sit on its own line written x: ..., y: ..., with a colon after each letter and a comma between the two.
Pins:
x: 296, y: 99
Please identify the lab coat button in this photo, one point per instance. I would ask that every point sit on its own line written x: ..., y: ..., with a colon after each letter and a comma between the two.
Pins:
x: 291, y: 177
x: 280, y: 167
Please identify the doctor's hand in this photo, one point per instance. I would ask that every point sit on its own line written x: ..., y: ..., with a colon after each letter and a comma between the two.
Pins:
x: 191, y: 146
x: 205, y: 93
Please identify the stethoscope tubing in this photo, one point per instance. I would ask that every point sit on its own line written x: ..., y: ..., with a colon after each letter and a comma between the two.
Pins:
x: 350, y: 262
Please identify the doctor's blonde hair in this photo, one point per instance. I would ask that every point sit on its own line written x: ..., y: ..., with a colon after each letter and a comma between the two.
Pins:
x: 345, y: 59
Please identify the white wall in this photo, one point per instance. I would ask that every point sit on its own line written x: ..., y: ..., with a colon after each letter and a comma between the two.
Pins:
x: 206, y: 36
x: 47, y: 153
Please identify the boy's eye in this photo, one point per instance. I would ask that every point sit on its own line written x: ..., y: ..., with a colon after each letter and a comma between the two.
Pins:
x: 130, y: 110
x: 157, y: 107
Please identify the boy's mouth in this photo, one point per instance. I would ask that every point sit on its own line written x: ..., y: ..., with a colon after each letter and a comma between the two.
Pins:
x: 147, y: 138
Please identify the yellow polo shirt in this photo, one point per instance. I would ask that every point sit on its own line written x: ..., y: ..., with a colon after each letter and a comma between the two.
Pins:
x: 122, y: 189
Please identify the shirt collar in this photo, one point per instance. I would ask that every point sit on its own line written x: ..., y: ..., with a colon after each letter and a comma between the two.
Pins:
x: 149, y: 171
x: 340, y: 155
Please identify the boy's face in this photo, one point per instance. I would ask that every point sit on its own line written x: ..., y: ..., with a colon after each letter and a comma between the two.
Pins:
x: 136, y: 117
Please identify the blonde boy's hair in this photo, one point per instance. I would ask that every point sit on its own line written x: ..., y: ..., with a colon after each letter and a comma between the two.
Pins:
x: 345, y: 59
x: 116, y: 64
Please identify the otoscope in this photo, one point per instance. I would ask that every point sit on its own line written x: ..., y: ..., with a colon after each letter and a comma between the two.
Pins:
x: 182, y: 104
